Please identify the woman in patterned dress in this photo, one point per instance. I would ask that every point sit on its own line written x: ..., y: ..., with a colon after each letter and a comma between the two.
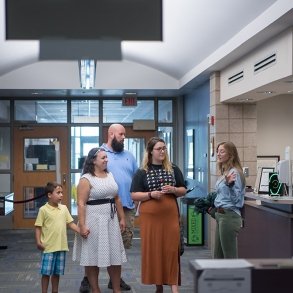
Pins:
x: 157, y: 185
x: 100, y: 216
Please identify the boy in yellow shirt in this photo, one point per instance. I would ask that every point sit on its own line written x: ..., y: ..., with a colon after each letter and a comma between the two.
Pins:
x: 51, y: 236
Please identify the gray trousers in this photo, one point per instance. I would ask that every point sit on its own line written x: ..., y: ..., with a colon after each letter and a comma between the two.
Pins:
x: 228, y: 226
x: 127, y: 235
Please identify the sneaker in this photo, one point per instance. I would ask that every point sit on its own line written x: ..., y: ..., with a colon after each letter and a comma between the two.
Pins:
x: 123, y: 286
x: 84, y: 286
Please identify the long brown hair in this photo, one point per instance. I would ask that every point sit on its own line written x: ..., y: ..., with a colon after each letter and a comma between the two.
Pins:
x: 147, y: 159
x: 89, y: 166
x: 233, y: 161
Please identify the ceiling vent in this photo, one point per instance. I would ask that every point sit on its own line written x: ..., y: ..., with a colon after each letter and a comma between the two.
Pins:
x: 236, y: 77
x: 265, y: 63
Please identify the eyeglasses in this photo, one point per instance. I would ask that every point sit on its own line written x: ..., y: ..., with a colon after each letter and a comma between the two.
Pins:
x: 161, y: 149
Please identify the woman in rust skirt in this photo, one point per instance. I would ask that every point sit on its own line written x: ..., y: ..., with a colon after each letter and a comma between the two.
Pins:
x: 157, y: 185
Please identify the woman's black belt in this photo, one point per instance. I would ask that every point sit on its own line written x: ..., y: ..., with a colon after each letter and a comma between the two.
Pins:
x: 103, y: 201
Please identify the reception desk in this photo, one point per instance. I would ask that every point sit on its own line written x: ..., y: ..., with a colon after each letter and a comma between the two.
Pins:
x: 268, y: 227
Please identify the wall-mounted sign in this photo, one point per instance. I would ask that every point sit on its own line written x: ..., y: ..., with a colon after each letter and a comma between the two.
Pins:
x: 129, y: 101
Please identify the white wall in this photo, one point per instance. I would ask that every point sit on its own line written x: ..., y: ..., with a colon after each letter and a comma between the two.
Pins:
x: 274, y: 125
x: 281, y: 46
x: 65, y: 75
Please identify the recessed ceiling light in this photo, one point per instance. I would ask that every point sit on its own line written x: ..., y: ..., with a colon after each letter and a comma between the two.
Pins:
x: 265, y: 92
x: 244, y: 99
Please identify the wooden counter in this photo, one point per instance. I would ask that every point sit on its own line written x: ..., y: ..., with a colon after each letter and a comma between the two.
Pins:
x: 268, y: 227
x: 269, y: 199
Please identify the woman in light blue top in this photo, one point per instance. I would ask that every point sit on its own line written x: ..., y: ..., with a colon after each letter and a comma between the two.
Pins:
x: 230, y: 189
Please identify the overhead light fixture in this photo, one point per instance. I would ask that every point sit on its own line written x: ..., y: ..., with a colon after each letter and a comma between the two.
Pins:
x: 131, y: 93
x: 87, y: 73
x: 266, y: 92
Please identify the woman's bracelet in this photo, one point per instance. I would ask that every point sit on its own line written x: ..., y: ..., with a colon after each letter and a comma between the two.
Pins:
x: 150, y: 195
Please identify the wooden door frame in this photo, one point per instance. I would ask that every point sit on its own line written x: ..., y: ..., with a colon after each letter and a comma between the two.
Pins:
x: 22, y: 178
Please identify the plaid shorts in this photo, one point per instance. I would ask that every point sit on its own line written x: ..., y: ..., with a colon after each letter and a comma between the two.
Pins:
x: 53, y: 263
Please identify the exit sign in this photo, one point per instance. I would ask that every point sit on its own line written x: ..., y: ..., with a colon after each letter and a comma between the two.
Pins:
x: 129, y: 101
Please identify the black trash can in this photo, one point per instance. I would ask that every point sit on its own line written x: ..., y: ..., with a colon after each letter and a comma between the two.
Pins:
x: 193, y: 222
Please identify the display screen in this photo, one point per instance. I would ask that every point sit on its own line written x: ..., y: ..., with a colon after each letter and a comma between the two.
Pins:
x: 86, y: 19
x: 275, y: 187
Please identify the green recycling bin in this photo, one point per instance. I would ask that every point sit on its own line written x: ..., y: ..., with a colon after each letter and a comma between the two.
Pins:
x: 193, y: 223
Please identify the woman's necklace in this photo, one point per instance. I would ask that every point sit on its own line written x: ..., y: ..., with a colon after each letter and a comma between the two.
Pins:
x: 101, y: 174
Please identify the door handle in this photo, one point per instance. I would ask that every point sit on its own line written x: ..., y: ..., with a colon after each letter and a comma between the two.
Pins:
x: 64, y: 178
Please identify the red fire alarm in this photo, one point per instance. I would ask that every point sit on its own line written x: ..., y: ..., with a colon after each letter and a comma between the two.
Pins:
x: 211, y: 119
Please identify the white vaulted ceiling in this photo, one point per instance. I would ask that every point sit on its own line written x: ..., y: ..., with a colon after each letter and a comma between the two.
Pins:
x: 199, y: 37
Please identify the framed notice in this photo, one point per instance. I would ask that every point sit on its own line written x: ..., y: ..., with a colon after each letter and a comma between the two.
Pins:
x: 264, y: 162
x: 265, y: 180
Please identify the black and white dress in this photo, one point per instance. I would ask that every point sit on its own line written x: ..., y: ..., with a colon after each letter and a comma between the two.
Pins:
x: 104, y: 246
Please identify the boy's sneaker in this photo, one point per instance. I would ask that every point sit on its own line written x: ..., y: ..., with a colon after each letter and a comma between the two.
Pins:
x: 84, y: 286
x: 123, y: 285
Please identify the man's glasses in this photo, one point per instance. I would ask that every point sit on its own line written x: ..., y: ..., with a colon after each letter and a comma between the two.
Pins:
x: 161, y: 149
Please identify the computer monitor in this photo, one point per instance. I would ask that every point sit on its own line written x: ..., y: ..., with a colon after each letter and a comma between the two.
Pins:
x: 283, y: 171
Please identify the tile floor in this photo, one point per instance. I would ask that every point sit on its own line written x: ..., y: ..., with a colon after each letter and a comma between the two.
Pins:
x: 19, y: 266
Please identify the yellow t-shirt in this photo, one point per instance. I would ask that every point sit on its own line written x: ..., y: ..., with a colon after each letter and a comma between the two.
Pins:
x: 53, y: 221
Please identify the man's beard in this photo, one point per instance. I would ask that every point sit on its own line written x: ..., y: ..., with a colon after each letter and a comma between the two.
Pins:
x: 117, y: 146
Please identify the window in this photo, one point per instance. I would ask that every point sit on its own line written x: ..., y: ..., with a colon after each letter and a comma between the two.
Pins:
x: 165, y: 113
x: 4, y: 111
x: 85, y: 111
x: 4, y: 148
x: 39, y: 111
x: 166, y: 133
x: 83, y: 139
x: 39, y: 154
x: 114, y: 112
